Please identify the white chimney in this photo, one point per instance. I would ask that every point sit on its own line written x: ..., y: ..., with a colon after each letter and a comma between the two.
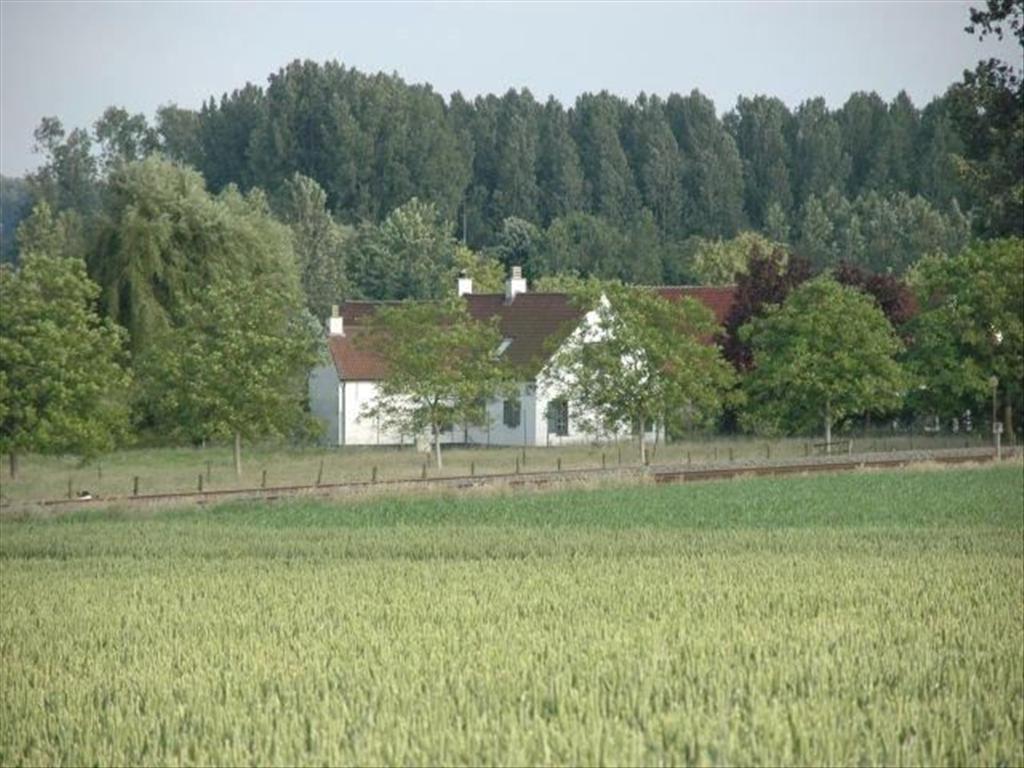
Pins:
x: 336, y: 323
x: 515, y: 284
x: 465, y: 283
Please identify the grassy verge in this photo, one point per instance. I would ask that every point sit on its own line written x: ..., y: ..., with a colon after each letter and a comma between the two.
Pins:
x: 171, y: 470
x: 871, y: 619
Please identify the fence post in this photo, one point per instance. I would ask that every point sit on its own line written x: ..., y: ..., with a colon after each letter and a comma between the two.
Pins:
x: 200, y: 482
x: 99, y: 471
x: 373, y: 477
x: 135, y: 486
x: 807, y: 450
x: 320, y: 472
x: 208, y: 471
x: 524, y: 455
x: 730, y: 453
x: 263, y: 480
x: 716, y: 453
x: 558, y: 463
x: 472, y: 469
x: 423, y: 474
x: 689, y: 459
x: 517, y: 465
x: 620, y: 455
x: 767, y: 450
x: 849, y: 447
x: 69, y: 486
x: 604, y: 462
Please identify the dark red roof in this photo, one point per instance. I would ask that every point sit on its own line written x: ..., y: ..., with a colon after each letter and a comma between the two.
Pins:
x: 535, y: 322
x: 718, y: 298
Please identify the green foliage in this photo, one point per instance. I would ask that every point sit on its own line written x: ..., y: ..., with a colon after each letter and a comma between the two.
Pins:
x: 826, y: 354
x: 15, y: 205
x: 819, y: 614
x: 63, y: 384
x: 642, y: 361
x: 718, y: 262
x: 123, y: 138
x: 233, y: 363
x: 318, y: 242
x: 487, y: 274
x: 410, y: 255
x: 67, y: 177
x: 163, y: 237
x: 441, y: 368
x: 970, y: 327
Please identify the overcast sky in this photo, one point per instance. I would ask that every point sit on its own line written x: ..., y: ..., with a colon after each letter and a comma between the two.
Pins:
x: 74, y: 59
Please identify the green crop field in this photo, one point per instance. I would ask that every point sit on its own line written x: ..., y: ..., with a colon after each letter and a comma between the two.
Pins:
x: 871, y: 618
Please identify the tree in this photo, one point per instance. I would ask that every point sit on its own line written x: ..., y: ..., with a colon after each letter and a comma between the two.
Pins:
x: 595, y: 122
x: 559, y: 176
x: 712, y: 171
x: 15, y: 205
x: 761, y: 127
x: 826, y: 354
x: 644, y: 361
x: 718, y: 262
x: 63, y: 382
x: 163, y: 235
x: 410, y: 255
x: 441, y: 367
x: 971, y: 327
x: 770, y: 277
x: 233, y: 365
x: 318, y: 242
x: 67, y: 177
x: 819, y: 160
x: 123, y: 138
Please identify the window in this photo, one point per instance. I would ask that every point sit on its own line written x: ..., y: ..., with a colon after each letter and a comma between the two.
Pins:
x: 513, y: 413
x: 558, y: 417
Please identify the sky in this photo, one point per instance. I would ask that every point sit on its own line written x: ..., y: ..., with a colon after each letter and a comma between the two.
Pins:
x: 73, y: 60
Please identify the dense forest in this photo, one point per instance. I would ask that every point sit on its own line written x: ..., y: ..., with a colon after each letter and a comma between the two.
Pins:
x: 635, y: 190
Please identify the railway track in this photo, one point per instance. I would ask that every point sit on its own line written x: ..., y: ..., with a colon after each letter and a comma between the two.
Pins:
x: 659, y: 474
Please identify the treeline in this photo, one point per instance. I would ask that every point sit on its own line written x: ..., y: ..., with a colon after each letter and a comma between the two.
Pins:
x: 605, y: 187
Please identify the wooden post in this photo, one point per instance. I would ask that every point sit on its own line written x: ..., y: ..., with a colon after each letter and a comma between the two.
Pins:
x: 373, y: 477
x: 620, y: 455
x: 716, y: 453
x: 263, y: 480
x: 99, y: 471
x: 135, y: 486
x: 558, y: 463
x: 208, y: 470
x: 320, y: 473
x: 517, y: 465
x: 524, y: 455
x: 604, y: 461
x: 472, y: 469
x: 730, y: 453
x: 807, y: 450
x: 69, y: 486
x: 849, y: 447
x: 767, y: 450
x: 423, y: 474
x: 200, y: 482
x: 689, y: 459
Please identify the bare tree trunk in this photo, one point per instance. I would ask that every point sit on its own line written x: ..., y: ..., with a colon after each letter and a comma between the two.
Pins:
x: 12, y: 464
x: 643, y: 444
x: 437, y: 445
x: 828, y: 427
x: 238, y: 454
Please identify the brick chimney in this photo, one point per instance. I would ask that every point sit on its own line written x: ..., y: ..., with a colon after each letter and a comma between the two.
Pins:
x: 515, y: 284
x: 336, y: 323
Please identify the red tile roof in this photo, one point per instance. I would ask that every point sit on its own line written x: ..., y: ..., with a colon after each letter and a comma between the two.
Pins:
x: 535, y: 322
x: 718, y: 298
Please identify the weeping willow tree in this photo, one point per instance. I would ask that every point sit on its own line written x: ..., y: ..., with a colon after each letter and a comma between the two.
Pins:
x: 162, y: 237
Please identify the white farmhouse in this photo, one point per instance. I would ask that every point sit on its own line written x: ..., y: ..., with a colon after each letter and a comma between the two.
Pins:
x: 531, y: 324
